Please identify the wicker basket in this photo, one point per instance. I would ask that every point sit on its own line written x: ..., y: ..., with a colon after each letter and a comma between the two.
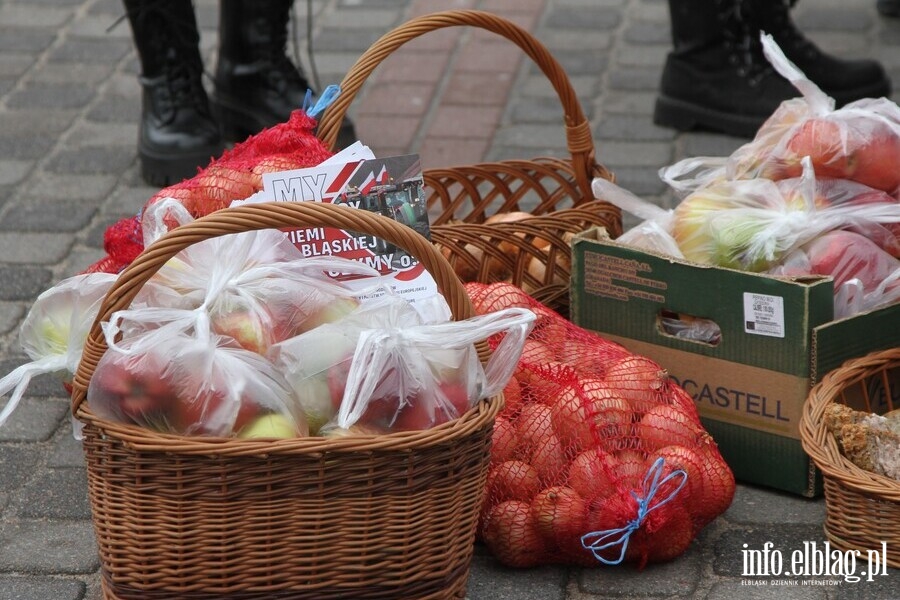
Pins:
x: 862, y: 508
x: 472, y: 193
x: 534, y: 253
x: 391, y: 516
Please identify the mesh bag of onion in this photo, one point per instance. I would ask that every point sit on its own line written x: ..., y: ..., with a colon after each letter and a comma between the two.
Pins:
x: 236, y: 174
x: 598, y: 457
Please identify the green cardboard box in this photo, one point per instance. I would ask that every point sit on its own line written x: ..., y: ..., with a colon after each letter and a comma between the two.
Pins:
x: 777, y: 337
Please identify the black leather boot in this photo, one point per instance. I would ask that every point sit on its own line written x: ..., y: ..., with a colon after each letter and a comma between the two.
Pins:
x: 177, y: 131
x: 888, y: 8
x: 256, y: 84
x: 716, y: 77
x: 843, y: 80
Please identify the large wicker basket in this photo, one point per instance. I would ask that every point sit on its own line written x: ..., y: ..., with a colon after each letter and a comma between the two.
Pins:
x: 862, y: 507
x: 472, y: 193
x: 391, y: 516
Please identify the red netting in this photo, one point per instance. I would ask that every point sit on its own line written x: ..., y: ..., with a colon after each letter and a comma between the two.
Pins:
x: 598, y: 456
x: 237, y: 174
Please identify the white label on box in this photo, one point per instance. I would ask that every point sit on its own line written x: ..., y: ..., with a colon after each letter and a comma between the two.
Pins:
x: 763, y: 314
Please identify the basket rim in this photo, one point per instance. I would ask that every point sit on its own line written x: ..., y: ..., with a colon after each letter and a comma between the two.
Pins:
x: 821, y: 446
x: 265, y: 216
x: 142, y: 439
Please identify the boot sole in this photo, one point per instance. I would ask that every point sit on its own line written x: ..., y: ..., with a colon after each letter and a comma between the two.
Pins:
x: 168, y: 169
x: 685, y: 116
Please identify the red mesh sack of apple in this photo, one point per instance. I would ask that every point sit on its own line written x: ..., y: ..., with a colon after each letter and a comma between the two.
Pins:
x: 598, y: 457
x: 408, y: 375
x: 175, y: 376
x: 236, y: 174
x: 859, y: 142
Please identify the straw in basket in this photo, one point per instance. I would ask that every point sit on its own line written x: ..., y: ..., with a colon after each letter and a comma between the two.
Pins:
x: 862, y: 507
x: 362, y: 517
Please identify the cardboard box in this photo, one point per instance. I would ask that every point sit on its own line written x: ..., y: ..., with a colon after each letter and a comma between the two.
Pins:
x: 777, y: 338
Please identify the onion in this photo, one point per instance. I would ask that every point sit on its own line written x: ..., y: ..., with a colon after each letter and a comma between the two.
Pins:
x: 511, y: 536
x: 666, y: 425
x: 560, y: 515
x: 512, y: 480
x: 639, y: 380
x: 503, y: 440
x: 549, y: 459
x: 592, y: 474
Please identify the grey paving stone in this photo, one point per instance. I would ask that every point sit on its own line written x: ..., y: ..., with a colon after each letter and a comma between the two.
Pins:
x: 116, y: 109
x: 45, y: 215
x: 729, y: 590
x: 634, y: 79
x: 575, y: 62
x: 754, y: 505
x: 22, y: 282
x: 13, y: 65
x: 34, y: 248
x: 68, y: 452
x: 649, y: 32
x: 26, y: 149
x: 34, y: 420
x: 11, y: 314
x: 840, y: 19
x: 533, y: 139
x: 14, y: 171
x: 79, y: 73
x: 87, y: 50
x: 642, y: 182
x: 51, y: 95
x: 20, y: 588
x: 677, y: 578
x: 25, y: 40
x: 69, y: 191
x: 18, y: 15
x: 89, y: 160
x: 54, y: 494
x: 17, y: 465
x: 536, y: 110
x: 636, y: 154
x: 491, y: 581
x: 63, y: 547
x: 708, y: 144
x: 637, y: 128
x: 26, y: 122
x: 335, y: 39
x: 578, y: 18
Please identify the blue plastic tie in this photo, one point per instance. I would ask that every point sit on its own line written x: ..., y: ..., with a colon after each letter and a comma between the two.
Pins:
x: 599, y: 540
x: 324, y: 101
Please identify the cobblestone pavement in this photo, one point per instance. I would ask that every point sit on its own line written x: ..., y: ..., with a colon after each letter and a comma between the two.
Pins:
x: 69, y: 104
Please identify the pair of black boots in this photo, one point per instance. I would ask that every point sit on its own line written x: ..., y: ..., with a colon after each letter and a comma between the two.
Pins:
x: 717, y: 78
x: 255, y: 84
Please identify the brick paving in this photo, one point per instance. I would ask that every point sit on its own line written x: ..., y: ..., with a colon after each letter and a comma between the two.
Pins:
x: 69, y: 104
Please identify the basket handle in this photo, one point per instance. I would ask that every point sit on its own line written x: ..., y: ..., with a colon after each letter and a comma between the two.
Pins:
x: 251, y: 217
x: 579, y: 139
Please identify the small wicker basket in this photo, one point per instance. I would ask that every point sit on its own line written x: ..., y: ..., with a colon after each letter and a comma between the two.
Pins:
x: 862, y: 508
x: 363, y: 517
x: 471, y: 193
x: 533, y: 253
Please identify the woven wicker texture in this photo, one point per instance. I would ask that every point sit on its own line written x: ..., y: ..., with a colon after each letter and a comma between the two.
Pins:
x: 389, y: 516
x: 533, y: 253
x: 474, y: 192
x: 862, y: 508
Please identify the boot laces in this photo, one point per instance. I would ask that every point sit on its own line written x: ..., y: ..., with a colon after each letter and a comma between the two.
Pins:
x: 175, y: 39
x: 271, y: 48
x: 742, y: 38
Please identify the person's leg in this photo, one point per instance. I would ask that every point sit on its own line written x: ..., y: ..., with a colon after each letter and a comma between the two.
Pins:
x: 843, y: 80
x: 177, y: 131
x: 256, y: 84
x: 716, y: 76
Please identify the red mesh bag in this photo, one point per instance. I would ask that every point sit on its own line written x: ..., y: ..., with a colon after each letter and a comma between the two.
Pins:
x: 237, y: 174
x: 598, y: 456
